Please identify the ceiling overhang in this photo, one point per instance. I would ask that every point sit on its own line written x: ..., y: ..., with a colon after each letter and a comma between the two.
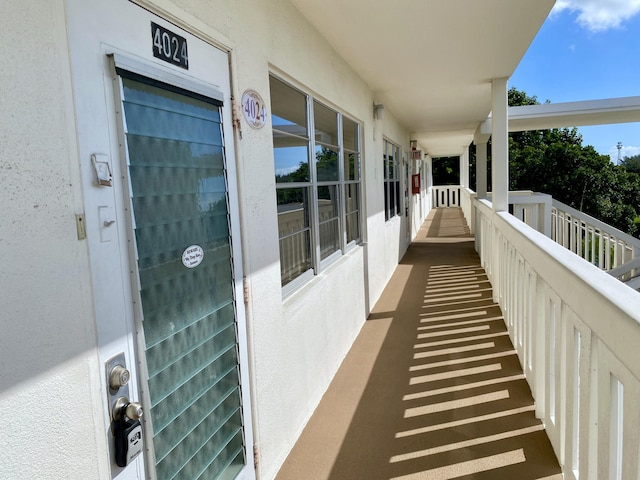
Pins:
x: 431, y: 62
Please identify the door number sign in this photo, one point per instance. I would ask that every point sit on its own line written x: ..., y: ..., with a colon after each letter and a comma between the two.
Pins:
x: 170, y: 47
x: 254, y: 109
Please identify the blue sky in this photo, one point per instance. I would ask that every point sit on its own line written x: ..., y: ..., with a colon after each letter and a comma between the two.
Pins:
x: 587, y: 50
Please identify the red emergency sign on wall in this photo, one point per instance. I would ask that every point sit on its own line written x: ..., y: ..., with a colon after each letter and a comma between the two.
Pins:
x: 415, y: 184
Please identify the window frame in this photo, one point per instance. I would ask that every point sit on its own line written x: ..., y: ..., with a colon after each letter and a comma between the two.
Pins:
x: 338, y: 186
x: 392, y: 184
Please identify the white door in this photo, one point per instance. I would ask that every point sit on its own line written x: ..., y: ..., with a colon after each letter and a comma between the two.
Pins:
x: 153, y: 109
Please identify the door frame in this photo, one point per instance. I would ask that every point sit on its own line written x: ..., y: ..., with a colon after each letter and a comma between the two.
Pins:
x: 103, y: 133
x: 135, y: 66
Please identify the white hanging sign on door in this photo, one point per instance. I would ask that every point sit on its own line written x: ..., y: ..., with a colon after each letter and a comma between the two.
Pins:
x: 192, y: 256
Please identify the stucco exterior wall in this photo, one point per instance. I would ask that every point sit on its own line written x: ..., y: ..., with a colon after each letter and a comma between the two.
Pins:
x: 387, y: 241
x: 299, y: 343
x: 48, y: 327
x: 48, y: 376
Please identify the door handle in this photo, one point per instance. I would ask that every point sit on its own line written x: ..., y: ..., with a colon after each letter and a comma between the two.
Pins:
x: 127, y: 430
x: 123, y: 408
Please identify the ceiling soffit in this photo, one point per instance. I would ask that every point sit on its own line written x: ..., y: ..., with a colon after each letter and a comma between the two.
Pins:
x: 430, y: 62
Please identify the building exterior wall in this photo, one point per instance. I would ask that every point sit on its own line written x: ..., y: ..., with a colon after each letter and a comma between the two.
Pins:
x: 387, y: 239
x: 49, y: 402
x: 50, y: 372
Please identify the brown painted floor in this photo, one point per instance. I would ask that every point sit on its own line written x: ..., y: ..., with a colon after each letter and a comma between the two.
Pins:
x: 432, y: 388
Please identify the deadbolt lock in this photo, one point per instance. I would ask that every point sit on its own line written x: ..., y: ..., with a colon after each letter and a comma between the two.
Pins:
x: 118, y: 377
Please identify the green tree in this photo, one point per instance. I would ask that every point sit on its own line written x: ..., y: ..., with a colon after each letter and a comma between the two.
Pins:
x: 446, y: 171
x: 555, y: 162
x: 631, y: 164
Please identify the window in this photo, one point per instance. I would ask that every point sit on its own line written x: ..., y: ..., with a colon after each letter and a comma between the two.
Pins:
x: 317, y: 180
x: 391, y: 180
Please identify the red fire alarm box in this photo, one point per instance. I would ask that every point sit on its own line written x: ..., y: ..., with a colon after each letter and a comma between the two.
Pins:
x: 415, y: 184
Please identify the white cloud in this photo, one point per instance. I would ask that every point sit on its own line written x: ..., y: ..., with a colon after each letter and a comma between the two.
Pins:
x: 625, y: 151
x: 599, y: 15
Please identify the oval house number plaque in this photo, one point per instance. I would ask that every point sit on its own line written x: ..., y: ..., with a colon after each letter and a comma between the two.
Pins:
x: 254, y: 109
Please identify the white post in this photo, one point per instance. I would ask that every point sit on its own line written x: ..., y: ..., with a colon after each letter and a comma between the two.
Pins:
x: 464, y: 168
x: 545, y: 215
x: 500, y: 145
x: 428, y: 182
x: 481, y: 169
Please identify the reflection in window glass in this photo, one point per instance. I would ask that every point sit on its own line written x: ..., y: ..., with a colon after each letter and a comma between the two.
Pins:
x: 352, y: 204
x: 329, y: 220
x: 290, y: 135
x: 326, y: 124
x: 391, y: 180
x: 290, y: 162
x: 351, y: 166
x: 294, y: 232
x: 350, y: 134
x: 327, y: 164
x: 318, y: 210
x: 288, y: 108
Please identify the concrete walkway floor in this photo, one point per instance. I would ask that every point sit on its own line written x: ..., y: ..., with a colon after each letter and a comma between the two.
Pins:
x: 432, y: 387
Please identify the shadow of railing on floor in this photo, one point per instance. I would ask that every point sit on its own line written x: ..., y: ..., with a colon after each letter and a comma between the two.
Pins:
x: 446, y: 397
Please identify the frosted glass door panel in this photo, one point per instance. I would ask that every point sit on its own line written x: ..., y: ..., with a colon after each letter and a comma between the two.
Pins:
x: 179, y: 197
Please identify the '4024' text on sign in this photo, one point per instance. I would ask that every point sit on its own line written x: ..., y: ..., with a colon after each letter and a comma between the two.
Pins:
x: 169, y: 46
x: 254, y: 109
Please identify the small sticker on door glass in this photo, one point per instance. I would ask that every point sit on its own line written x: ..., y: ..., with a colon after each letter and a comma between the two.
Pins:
x: 193, y: 256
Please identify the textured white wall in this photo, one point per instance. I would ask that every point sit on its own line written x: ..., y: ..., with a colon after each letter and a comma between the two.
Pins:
x: 387, y: 239
x: 48, y: 375
x: 46, y: 300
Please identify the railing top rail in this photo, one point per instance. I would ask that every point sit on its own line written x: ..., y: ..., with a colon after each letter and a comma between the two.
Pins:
x: 610, y: 299
x: 625, y: 268
x: 521, y: 197
x: 594, y: 222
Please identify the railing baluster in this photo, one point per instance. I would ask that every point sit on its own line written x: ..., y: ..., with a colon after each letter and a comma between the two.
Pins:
x: 586, y: 395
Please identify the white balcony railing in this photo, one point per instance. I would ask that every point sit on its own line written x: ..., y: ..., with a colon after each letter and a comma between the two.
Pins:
x: 455, y: 196
x: 576, y: 330
x: 600, y: 244
x: 446, y: 195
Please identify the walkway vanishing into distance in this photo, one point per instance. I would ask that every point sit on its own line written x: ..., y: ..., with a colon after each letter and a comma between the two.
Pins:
x: 432, y: 387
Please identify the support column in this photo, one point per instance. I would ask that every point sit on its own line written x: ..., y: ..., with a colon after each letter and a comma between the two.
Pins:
x: 464, y: 168
x: 428, y: 182
x: 499, y: 145
x: 481, y: 169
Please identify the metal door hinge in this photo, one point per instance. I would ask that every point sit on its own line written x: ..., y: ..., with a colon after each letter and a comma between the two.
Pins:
x: 256, y: 456
x: 246, y: 290
x: 237, y: 126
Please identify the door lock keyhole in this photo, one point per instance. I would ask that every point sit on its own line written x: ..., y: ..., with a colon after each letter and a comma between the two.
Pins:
x: 118, y: 377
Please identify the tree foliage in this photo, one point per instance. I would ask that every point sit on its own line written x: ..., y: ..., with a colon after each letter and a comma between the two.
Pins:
x: 632, y: 164
x: 446, y: 171
x: 556, y: 162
